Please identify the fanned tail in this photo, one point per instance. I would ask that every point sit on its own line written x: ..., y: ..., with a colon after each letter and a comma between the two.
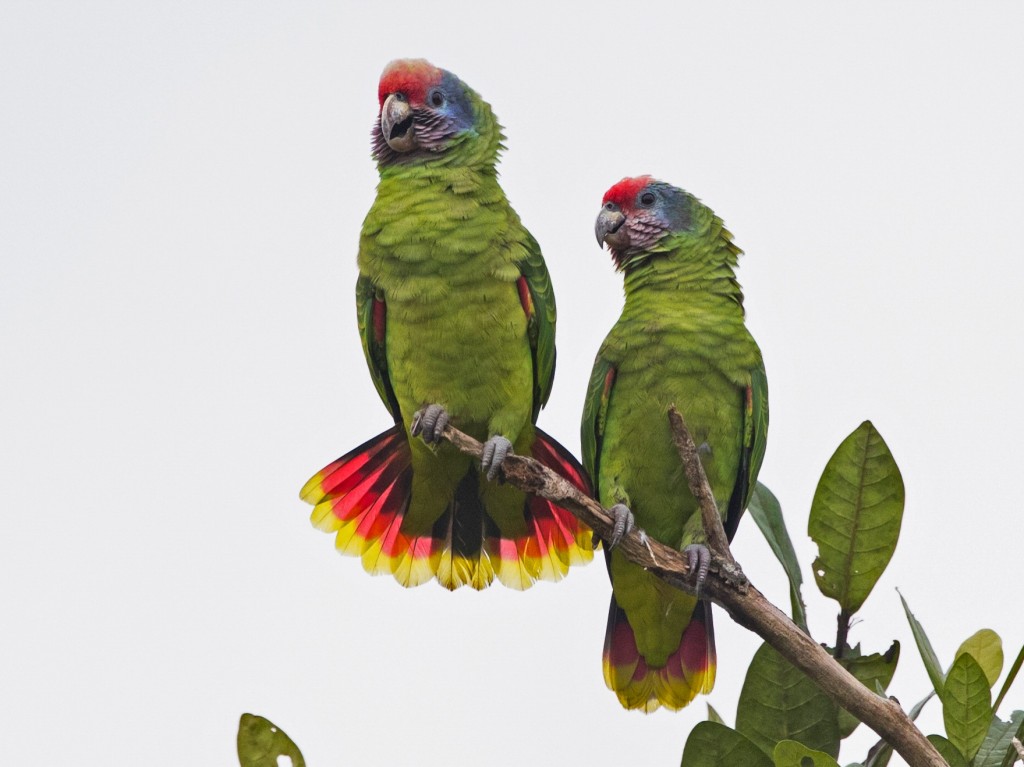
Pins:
x: 689, y: 670
x: 557, y: 540
x: 363, y: 497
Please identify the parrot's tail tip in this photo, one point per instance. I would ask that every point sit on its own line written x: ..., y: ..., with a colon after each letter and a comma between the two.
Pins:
x: 363, y: 497
x: 689, y: 670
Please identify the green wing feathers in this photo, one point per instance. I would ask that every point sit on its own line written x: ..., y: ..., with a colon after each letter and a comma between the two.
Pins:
x: 538, y: 301
x: 372, y: 313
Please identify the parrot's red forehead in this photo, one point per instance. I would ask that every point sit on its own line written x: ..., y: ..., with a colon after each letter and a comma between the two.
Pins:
x: 413, y: 77
x: 624, y: 193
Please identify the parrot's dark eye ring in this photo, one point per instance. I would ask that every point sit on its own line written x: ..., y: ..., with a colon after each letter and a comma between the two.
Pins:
x: 437, y: 98
x: 609, y: 206
x: 647, y: 198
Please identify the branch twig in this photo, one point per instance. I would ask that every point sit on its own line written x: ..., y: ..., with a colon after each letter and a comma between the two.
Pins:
x: 727, y: 587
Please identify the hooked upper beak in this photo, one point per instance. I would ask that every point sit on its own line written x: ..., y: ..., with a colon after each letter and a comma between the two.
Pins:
x: 608, y: 228
x: 396, y: 123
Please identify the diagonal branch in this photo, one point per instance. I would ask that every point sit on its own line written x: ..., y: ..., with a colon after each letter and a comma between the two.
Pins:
x: 727, y: 587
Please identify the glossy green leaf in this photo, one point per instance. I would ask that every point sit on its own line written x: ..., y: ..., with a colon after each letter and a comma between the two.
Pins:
x: 948, y: 751
x: 714, y: 716
x: 1010, y: 676
x: 260, y: 742
x: 966, y: 705
x: 997, y: 750
x: 931, y: 660
x: 767, y: 513
x: 873, y: 671
x: 790, y: 753
x: 855, y: 517
x: 986, y: 647
x: 778, y: 702
x: 711, y: 744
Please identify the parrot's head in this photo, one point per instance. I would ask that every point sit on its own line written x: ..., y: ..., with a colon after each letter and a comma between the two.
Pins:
x: 428, y: 113
x: 639, y: 214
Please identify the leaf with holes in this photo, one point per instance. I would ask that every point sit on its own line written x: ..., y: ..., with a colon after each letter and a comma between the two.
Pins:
x: 997, y: 749
x: 966, y: 705
x: 855, y: 517
x: 767, y: 513
x: 711, y: 744
x: 948, y: 751
x: 873, y: 671
x: 261, y: 742
x: 986, y: 647
x: 789, y: 753
x: 778, y: 702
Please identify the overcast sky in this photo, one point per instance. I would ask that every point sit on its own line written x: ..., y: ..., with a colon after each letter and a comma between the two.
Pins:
x: 181, y: 191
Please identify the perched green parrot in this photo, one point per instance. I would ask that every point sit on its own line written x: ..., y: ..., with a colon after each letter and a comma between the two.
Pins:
x: 457, y: 319
x: 680, y: 340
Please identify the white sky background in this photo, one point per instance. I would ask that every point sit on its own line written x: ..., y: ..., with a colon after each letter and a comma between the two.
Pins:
x: 181, y: 190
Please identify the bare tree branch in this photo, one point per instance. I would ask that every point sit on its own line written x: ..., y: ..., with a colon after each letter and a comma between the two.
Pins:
x: 726, y: 586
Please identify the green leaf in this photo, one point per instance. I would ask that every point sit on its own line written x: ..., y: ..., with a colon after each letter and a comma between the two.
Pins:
x: 789, y: 753
x: 948, y: 751
x: 260, y: 742
x: 986, y: 647
x: 874, y: 672
x: 767, y: 513
x: 778, y: 702
x: 855, y: 517
x: 931, y: 660
x: 966, y: 705
x: 996, y: 750
x: 1010, y: 676
x: 714, y: 716
x: 714, y: 745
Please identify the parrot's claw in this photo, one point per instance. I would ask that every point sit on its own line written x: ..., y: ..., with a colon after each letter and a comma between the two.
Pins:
x: 698, y: 557
x: 624, y: 522
x: 495, y: 451
x: 430, y: 422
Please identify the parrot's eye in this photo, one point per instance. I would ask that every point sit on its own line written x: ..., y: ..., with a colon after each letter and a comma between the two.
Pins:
x: 399, y: 96
x: 609, y: 206
x: 437, y: 98
x: 647, y: 198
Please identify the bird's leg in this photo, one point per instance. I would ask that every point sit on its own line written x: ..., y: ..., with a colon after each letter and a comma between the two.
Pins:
x: 430, y: 422
x: 698, y: 557
x: 624, y: 522
x: 496, y: 449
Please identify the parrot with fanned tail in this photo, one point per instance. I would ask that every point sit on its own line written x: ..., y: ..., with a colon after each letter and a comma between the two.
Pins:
x: 680, y: 340
x: 457, y: 318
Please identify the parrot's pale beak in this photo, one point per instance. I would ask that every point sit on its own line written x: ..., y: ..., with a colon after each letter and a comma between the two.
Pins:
x: 396, y: 123
x: 609, y: 228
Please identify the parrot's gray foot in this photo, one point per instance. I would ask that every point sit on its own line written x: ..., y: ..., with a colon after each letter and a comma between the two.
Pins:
x: 430, y: 422
x: 624, y: 522
x: 699, y: 559
x: 495, y: 451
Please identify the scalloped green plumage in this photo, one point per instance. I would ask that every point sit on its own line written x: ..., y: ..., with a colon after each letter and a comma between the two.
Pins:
x: 855, y: 517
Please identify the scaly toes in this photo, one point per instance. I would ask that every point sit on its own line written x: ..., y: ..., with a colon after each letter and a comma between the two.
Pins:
x: 624, y: 522
x: 495, y: 451
x: 699, y: 559
x: 430, y: 422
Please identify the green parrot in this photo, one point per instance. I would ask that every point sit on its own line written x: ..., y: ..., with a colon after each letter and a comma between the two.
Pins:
x: 680, y: 340
x: 457, y: 318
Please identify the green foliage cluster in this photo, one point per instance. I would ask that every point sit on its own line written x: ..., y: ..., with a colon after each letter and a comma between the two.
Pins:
x: 783, y: 719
